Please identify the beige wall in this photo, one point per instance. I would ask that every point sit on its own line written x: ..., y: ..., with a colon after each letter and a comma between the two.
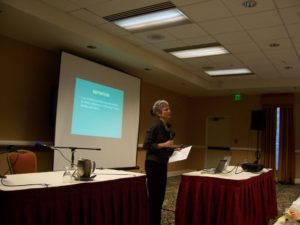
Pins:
x: 30, y: 73
x: 28, y: 77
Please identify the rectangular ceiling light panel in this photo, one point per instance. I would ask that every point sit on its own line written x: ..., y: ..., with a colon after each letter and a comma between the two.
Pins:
x: 200, y: 52
x: 159, y: 15
x: 150, y: 20
x: 208, y: 49
x: 228, y: 72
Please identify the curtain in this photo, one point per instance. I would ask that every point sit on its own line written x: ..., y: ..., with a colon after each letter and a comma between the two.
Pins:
x: 269, y: 139
x: 286, y: 167
x: 286, y: 170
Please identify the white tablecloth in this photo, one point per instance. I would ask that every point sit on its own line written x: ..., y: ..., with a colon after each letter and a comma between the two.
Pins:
x: 54, y: 179
x: 231, y: 173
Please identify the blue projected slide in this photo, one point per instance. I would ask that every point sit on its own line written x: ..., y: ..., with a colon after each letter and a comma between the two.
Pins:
x: 97, y: 110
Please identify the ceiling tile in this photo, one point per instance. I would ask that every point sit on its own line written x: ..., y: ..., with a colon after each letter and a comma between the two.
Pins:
x: 199, y: 40
x: 225, y: 25
x: 86, y: 3
x: 286, y: 3
x: 283, y: 57
x: 284, y: 44
x: 296, y: 42
x: 87, y: 16
x: 134, y: 40
x: 268, y: 33
x: 291, y: 15
x: 169, y: 44
x: 233, y: 38
x: 289, y: 70
x: 225, y: 61
x: 149, y: 47
x: 199, y: 62
x: 293, y: 30
x: 250, y: 56
x: 263, y: 67
x: 155, y: 36
x: 186, y: 31
x: 113, y: 29
x: 187, y: 2
x: 203, y: 11
x: 117, y: 6
x: 242, y: 47
x: 65, y: 5
x: 259, y: 20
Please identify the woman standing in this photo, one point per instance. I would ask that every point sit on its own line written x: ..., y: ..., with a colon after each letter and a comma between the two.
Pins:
x: 158, y: 143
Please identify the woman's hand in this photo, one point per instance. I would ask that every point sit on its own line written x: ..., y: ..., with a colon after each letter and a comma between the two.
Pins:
x: 167, y: 144
x: 177, y: 149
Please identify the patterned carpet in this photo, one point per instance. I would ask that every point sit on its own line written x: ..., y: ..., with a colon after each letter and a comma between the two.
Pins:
x: 286, y: 194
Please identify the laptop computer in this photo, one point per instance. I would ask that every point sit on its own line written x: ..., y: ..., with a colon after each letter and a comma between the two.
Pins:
x: 218, y: 169
x: 221, y: 166
x: 228, y: 158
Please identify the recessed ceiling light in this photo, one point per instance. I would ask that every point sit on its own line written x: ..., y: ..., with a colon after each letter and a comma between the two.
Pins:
x: 198, y: 51
x: 228, y: 72
x: 163, y: 14
x: 156, y: 37
x: 273, y: 45
x: 91, y: 47
x: 249, y: 3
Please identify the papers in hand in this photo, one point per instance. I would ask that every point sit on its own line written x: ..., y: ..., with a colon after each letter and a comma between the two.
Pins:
x: 180, y: 155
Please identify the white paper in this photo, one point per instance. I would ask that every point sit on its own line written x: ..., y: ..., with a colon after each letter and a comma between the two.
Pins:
x: 180, y: 155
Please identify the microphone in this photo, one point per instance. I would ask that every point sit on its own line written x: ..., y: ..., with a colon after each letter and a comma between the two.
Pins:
x: 39, y: 144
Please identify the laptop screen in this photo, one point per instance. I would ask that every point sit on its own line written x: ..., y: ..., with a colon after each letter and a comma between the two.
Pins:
x: 228, y: 158
x: 221, y: 165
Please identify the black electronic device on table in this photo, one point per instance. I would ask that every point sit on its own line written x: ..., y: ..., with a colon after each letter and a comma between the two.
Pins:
x: 252, y: 167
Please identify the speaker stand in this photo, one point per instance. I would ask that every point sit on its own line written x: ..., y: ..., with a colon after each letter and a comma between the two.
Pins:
x: 257, y: 153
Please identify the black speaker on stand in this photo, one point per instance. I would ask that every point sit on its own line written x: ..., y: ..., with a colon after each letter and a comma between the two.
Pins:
x: 258, y: 123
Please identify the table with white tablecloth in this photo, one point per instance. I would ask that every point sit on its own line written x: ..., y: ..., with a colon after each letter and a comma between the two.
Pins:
x: 113, y: 197
x: 239, y: 198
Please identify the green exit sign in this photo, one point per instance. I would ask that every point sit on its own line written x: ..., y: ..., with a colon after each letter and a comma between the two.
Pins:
x: 237, y: 97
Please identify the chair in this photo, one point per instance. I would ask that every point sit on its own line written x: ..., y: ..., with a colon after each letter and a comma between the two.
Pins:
x: 22, y: 161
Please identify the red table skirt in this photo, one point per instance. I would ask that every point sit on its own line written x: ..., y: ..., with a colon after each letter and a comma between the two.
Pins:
x: 122, y: 202
x: 214, y: 201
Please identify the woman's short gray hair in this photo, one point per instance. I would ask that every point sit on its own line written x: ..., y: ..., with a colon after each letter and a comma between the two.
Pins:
x: 158, y: 106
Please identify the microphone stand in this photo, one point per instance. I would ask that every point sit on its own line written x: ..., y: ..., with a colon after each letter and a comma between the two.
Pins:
x: 257, y: 153
x: 73, y: 150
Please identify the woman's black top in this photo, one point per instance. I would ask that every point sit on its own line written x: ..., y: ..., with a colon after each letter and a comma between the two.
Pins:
x: 157, y: 133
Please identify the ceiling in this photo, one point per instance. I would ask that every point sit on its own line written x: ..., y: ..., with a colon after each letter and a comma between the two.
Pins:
x: 247, y: 33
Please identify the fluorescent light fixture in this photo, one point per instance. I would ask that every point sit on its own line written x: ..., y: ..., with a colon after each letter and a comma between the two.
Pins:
x: 198, y: 51
x: 152, y: 19
x: 228, y: 72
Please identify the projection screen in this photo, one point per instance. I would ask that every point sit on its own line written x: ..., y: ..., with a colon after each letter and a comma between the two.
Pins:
x: 97, y: 107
